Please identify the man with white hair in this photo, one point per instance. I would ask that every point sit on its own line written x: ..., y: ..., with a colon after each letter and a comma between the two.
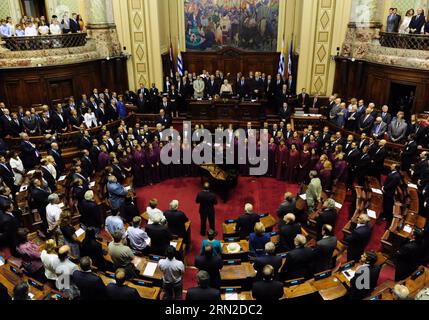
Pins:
x: 53, y: 211
x: 246, y: 222
x: 176, y: 220
x: 299, y: 261
x: 91, y: 213
x: 327, y: 216
x: 288, y: 230
x: 314, y: 191
x: 379, y: 128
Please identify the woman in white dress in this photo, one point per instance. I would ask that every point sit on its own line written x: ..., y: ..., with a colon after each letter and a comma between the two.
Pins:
x: 17, y: 168
x: 226, y: 88
x: 90, y: 119
x: 50, y: 259
x: 404, y: 27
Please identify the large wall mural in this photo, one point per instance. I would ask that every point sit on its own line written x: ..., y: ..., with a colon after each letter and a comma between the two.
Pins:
x: 247, y: 24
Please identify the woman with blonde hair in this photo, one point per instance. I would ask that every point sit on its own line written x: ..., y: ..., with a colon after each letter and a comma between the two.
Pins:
x: 258, y: 240
x: 326, y: 175
x: 50, y: 259
x: 52, y: 166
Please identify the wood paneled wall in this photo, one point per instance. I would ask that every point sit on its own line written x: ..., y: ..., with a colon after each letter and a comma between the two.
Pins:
x: 30, y: 86
x: 373, y: 82
x: 232, y: 60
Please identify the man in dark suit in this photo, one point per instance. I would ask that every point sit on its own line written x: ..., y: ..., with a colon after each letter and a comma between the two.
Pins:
x: 304, y: 100
x: 242, y: 89
x: 285, y: 112
x: 91, y: 287
x: 409, y: 153
x: 269, y: 258
x: 299, y: 261
x: 86, y: 165
x: 6, y: 173
x: 368, y: 260
x: 365, y: 122
x: 353, y: 157
x: 10, y: 124
x: 85, y: 141
x: 118, y: 291
x: 212, y: 264
x: 377, y: 160
x: 325, y: 247
x: 203, y: 292
x: 288, y: 230
x: 47, y: 175
x: 409, y: 257
x: 9, y: 224
x: 246, y: 223
x: 327, y: 217
x: 159, y: 235
x: 358, y: 239
x: 389, y: 189
x: 291, y: 86
x: 212, y: 87
x: 59, y: 120
x: 39, y: 198
x: 267, y: 289
x: 176, y: 220
x: 91, y: 213
x: 207, y: 200
x: 74, y: 24
x: 288, y: 206
x: 163, y: 119
x: 417, y: 22
x: 141, y: 103
x: 145, y: 91
x: 385, y: 115
x: 29, y: 154
x: 56, y: 154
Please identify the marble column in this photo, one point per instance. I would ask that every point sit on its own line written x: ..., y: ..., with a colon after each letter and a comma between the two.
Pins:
x: 101, y: 27
x: 365, y: 24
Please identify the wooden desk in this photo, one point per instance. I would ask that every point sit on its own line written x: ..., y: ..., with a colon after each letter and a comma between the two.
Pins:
x: 237, y: 272
x: 229, y: 228
x: 242, y: 296
x: 149, y: 293
x: 224, y: 109
x: 330, y: 288
x: 300, y: 290
x: 141, y: 262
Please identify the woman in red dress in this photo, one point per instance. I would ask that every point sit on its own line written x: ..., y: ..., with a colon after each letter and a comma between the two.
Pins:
x: 293, y: 164
x: 272, y: 150
x: 304, y: 165
x: 281, y: 161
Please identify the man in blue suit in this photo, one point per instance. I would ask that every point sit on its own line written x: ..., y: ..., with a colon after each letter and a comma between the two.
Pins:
x: 417, y: 22
x: 117, y: 192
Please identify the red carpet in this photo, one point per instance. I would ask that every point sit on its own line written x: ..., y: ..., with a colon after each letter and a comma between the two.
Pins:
x: 264, y: 193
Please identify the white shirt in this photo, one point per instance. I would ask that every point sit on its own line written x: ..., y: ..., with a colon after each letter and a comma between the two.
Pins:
x: 52, y: 170
x: 50, y: 262
x: 55, y: 29
x: 17, y: 164
x: 53, y: 212
x: 90, y: 119
x: 65, y: 268
x: 31, y: 31
x: 151, y: 212
x: 44, y: 30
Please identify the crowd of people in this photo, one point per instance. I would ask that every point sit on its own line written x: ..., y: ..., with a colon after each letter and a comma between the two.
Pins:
x: 414, y: 22
x: 31, y: 26
x: 317, y: 158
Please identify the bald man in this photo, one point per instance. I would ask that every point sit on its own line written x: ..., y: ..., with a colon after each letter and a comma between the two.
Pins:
x: 267, y: 289
x: 207, y: 201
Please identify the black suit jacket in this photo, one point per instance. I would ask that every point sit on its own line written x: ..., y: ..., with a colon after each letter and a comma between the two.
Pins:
x: 408, y: 258
x: 58, y: 159
x: 159, y: 238
x: 391, y: 183
x: 360, y: 294
x: 7, y: 174
x: 299, y: 264
x: 357, y: 242
x: 274, y: 261
x: 117, y: 292
x: 267, y: 290
x: 212, y: 265
x: 287, y: 233
x: 90, y: 285
x: 49, y: 178
x: 207, y: 201
x: 203, y: 294
x: 29, y: 155
x: 92, y: 215
x: 74, y: 26
x: 417, y: 23
x: 8, y: 228
x: 166, y: 121
x: 176, y: 222
x: 246, y: 224
x: 323, y: 254
x: 328, y: 216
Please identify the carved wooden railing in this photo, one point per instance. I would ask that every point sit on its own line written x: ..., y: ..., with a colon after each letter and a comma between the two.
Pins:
x: 404, y: 41
x: 69, y: 40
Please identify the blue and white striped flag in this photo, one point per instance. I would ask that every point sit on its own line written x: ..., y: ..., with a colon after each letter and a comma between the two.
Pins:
x: 179, y: 61
x: 282, y: 60
x: 289, y: 65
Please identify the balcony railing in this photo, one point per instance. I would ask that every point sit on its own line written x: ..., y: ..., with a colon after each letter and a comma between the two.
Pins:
x: 404, y: 41
x: 69, y: 40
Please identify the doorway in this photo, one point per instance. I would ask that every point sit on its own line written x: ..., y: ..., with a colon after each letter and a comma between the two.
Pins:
x: 33, y: 8
x: 402, y: 98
